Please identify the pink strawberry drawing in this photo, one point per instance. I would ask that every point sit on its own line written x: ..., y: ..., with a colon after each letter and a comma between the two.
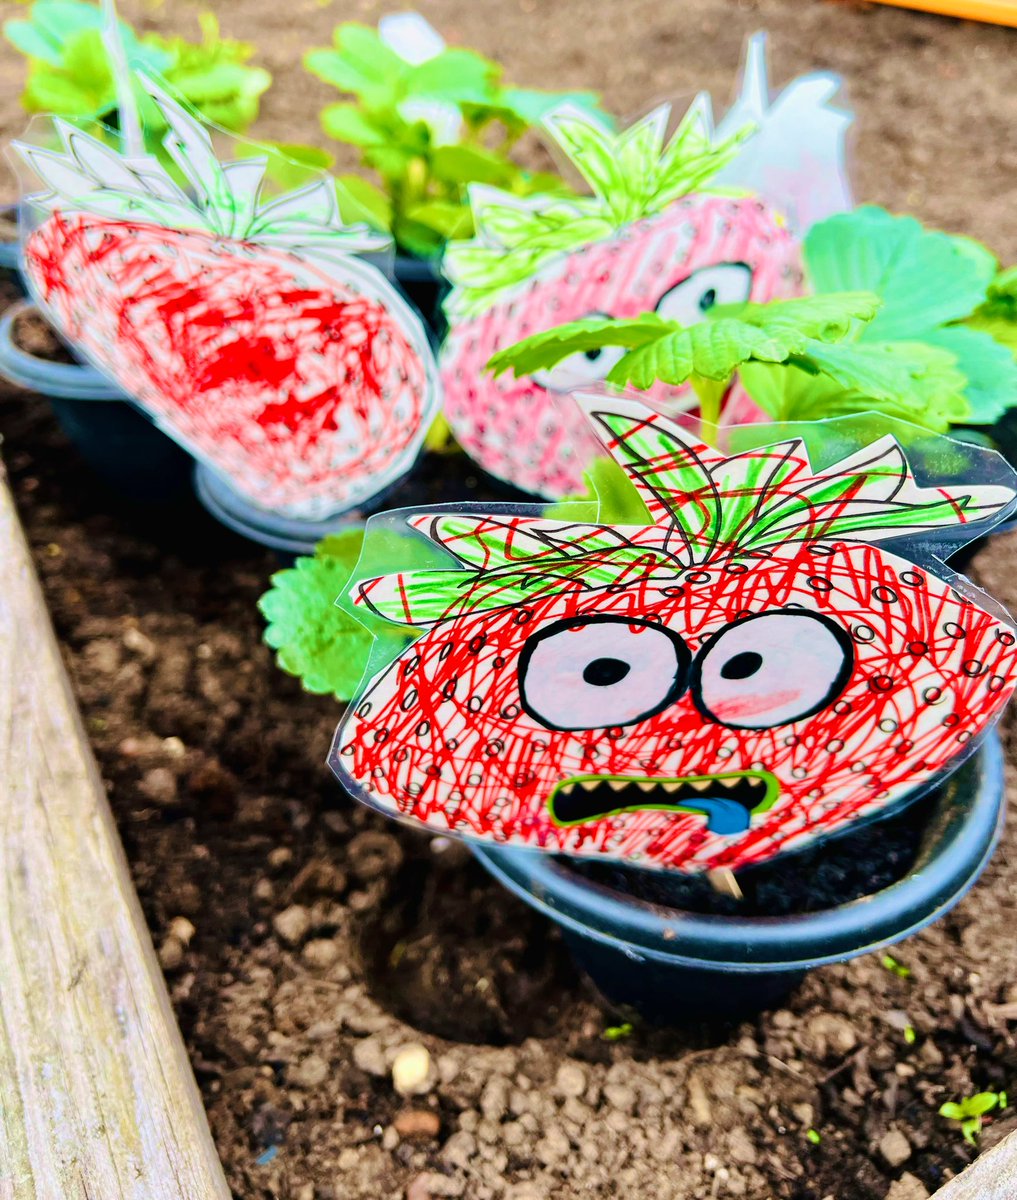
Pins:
x: 651, y: 237
x: 244, y: 325
x: 749, y: 672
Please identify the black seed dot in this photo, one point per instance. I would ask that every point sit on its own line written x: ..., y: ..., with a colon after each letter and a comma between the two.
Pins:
x: 409, y: 700
x: 381, y: 737
x: 476, y: 644
x: 912, y: 579
x: 522, y: 616
x: 972, y: 667
x: 952, y: 629
x: 884, y: 595
x: 932, y: 695
x: 888, y: 725
x: 863, y: 633
x: 603, y: 672
x: 365, y: 709
x: 995, y: 683
x: 499, y: 662
x: 423, y: 729
x: 835, y: 745
x: 736, y: 568
x: 951, y: 720
x: 917, y: 648
x: 842, y: 707
x: 510, y: 712
x: 741, y: 666
x: 819, y: 584
x: 1004, y: 636
x: 698, y: 577
x: 475, y: 703
x: 964, y: 736
x: 881, y: 683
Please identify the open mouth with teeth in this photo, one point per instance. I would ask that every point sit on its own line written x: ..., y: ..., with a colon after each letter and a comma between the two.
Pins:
x: 727, y: 801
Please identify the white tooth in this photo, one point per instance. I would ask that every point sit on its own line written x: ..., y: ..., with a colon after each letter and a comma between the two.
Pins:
x: 588, y: 784
x: 700, y: 785
x: 646, y: 786
x: 671, y: 786
x: 617, y: 785
x: 728, y: 781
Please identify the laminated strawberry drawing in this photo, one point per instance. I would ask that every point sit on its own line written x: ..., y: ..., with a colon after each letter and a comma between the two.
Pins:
x: 769, y: 658
x: 673, y: 225
x: 246, y: 324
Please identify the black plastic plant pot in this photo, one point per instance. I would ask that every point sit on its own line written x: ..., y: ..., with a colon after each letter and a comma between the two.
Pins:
x: 673, y: 965
x: 423, y: 284
x: 118, y: 442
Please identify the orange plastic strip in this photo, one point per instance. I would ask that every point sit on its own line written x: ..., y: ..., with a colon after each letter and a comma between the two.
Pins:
x: 998, y: 12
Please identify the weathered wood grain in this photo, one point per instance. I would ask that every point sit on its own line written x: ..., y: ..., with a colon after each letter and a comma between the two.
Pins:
x: 992, y: 1176
x: 97, y: 1099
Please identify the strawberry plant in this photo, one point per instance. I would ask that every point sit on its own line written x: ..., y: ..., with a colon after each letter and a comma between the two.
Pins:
x: 748, y: 671
x: 71, y: 74
x: 314, y: 636
x: 970, y: 1112
x: 906, y: 358
x: 243, y: 322
x: 653, y: 236
x: 430, y: 121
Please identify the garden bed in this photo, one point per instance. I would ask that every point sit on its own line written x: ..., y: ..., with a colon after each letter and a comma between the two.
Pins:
x: 305, y: 940
x: 325, y: 938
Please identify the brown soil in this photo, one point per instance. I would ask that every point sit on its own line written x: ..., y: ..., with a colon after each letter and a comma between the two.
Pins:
x: 325, y: 939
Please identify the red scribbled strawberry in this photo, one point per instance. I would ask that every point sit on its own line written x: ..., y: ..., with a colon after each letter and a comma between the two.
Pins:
x: 651, y: 237
x: 247, y: 329
x: 748, y: 673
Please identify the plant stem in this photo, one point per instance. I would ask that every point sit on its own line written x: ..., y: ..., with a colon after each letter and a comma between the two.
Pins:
x: 710, y: 393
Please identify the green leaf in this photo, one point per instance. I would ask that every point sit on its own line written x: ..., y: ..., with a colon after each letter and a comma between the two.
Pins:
x: 348, y: 123
x: 924, y: 278
x: 446, y: 218
x: 360, y: 200
x: 315, y: 638
x: 988, y: 367
x: 457, y: 75
x: 532, y: 106
x: 462, y: 165
x: 543, y: 350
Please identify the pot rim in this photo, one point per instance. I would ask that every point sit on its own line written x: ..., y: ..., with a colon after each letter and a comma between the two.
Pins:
x: 64, y: 381
x: 276, y: 531
x: 963, y: 831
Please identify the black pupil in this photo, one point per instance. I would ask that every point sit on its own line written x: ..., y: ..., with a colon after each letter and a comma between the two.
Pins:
x: 593, y: 355
x: 602, y: 672
x: 708, y: 299
x: 742, y: 665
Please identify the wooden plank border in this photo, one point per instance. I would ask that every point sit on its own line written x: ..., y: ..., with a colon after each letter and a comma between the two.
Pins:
x: 97, y: 1098
x: 993, y: 1176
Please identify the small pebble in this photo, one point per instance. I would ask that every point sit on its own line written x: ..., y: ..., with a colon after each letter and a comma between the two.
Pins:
x: 417, y: 1123
x: 321, y: 953
x: 411, y: 1069
x: 159, y: 785
x: 310, y: 1073
x: 182, y: 930
x: 292, y: 924
x: 171, y: 954
x: 908, y: 1187
x: 570, y: 1080
x: 894, y: 1148
x: 369, y: 1056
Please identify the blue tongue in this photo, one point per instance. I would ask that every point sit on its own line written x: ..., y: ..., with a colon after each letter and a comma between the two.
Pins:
x: 722, y: 816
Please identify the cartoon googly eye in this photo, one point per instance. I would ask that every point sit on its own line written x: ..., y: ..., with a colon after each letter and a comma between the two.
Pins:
x: 771, y: 669
x: 580, y: 369
x: 689, y: 301
x: 595, y: 672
